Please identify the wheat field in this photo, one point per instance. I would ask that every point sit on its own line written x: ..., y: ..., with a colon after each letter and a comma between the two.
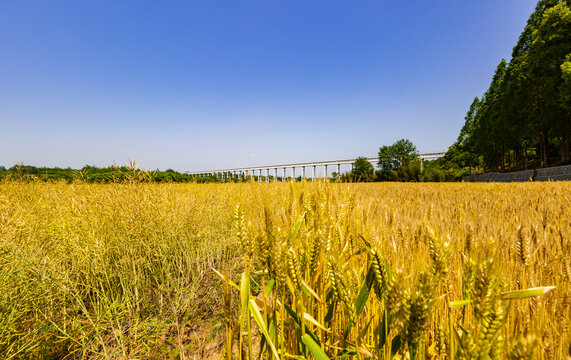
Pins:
x: 289, y: 271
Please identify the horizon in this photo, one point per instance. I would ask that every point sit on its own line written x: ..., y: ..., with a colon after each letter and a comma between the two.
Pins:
x: 212, y: 86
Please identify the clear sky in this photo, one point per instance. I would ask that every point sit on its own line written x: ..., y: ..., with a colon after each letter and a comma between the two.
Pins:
x: 196, y: 85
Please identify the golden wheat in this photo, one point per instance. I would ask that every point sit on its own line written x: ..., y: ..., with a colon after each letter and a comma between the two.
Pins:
x: 124, y: 270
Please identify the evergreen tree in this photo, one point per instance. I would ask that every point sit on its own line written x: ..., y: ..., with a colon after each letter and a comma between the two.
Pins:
x: 526, y: 110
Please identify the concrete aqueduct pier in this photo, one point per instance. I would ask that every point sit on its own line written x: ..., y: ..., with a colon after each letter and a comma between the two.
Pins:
x: 265, y: 173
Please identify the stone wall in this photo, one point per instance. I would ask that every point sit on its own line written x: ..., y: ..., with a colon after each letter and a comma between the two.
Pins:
x: 546, y: 174
x: 554, y: 173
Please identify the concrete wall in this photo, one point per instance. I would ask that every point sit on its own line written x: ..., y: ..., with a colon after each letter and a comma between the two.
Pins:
x: 546, y: 174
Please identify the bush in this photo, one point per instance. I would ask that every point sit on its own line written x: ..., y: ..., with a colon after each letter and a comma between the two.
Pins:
x: 411, y: 172
x: 434, y: 175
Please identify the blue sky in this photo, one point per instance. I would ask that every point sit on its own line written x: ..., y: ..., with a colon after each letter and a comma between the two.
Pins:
x: 193, y: 85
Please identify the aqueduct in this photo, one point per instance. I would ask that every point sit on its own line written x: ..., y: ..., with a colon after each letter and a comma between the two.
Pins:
x: 258, y: 171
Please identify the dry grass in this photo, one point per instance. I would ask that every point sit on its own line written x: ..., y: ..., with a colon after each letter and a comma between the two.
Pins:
x: 123, y: 270
x: 109, y: 271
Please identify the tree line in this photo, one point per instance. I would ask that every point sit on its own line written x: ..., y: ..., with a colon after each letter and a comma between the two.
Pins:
x: 523, y: 120
x: 93, y: 174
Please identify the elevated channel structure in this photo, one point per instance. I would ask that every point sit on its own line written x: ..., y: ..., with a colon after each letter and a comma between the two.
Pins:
x: 258, y: 171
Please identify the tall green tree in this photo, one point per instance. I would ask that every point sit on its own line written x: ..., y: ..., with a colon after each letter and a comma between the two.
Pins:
x: 566, y: 86
x: 395, y: 156
x: 363, y: 170
x: 463, y: 152
x: 551, y: 45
